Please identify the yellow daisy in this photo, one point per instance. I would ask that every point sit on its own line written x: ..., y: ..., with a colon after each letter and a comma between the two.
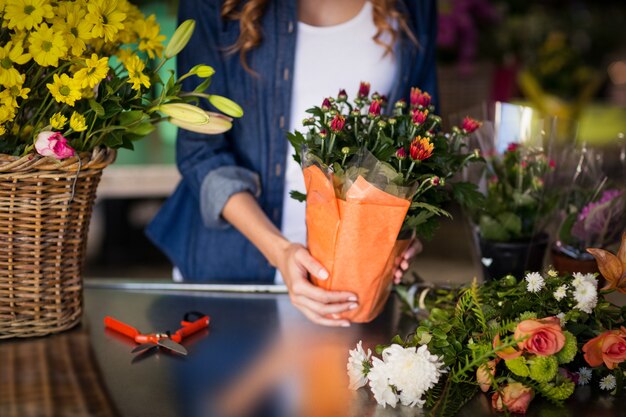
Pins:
x: 64, y: 89
x: 77, y: 122
x: 136, y: 77
x: 17, y: 91
x: 124, y: 54
x: 8, y: 100
x: 94, y: 71
x: 7, y: 111
x: 2, y: 130
x: 58, y: 121
x: 11, y: 54
x: 150, y: 39
x: 47, y: 46
x: 105, y: 18
x: 70, y: 20
x: 26, y: 14
x: 128, y: 35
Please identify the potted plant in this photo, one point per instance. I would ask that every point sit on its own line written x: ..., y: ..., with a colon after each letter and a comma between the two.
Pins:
x: 511, y: 225
x: 373, y: 179
x: 77, y: 81
x: 591, y: 214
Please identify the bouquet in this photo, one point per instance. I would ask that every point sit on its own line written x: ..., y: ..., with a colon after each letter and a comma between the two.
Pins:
x: 592, y: 210
x: 540, y: 336
x: 77, y: 75
x: 372, y: 177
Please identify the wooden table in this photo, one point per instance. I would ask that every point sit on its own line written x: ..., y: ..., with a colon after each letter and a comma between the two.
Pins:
x: 239, y: 364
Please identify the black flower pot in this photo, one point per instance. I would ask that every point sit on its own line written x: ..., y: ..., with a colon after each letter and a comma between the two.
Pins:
x: 515, y: 258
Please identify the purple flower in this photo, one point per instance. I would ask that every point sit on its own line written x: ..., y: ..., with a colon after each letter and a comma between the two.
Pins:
x: 597, y: 218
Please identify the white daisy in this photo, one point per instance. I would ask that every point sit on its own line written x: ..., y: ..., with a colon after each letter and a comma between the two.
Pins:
x: 584, y: 376
x: 379, y: 383
x: 358, y: 366
x: 608, y: 383
x: 561, y: 292
x: 561, y: 317
x: 586, y: 295
x: 580, y: 278
x: 535, y: 282
x: 552, y: 273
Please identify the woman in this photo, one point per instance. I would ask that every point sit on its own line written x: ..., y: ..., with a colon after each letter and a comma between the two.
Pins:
x: 276, y: 58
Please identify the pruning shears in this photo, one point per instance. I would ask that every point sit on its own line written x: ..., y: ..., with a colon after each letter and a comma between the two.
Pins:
x: 164, y: 340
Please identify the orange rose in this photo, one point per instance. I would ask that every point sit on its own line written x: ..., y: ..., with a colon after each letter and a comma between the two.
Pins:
x: 506, y: 353
x: 543, y: 337
x: 482, y: 374
x: 609, y: 347
x: 515, y: 397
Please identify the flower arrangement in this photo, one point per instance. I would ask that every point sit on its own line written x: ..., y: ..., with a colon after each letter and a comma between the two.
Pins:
x: 76, y: 75
x: 412, y: 156
x: 515, y: 339
x: 518, y: 204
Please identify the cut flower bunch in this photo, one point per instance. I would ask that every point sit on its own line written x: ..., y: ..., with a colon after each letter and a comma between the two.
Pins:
x: 76, y: 75
x: 516, y: 340
x: 412, y: 158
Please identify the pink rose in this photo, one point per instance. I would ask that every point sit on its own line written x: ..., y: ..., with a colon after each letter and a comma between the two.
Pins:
x: 53, y: 144
x: 543, y: 337
x: 483, y: 372
x: 515, y: 398
x: 608, y: 348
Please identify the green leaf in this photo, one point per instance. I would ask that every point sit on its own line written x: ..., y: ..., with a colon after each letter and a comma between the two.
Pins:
x: 432, y: 209
x: 113, y: 139
x: 467, y: 195
x: 298, y: 196
x: 491, y: 229
x: 129, y: 117
x: 97, y: 108
x: 201, y: 88
x: 141, y: 129
x: 510, y: 222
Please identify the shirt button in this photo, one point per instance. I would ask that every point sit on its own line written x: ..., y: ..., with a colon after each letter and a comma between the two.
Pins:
x: 286, y: 74
x: 290, y: 27
x: 279, y: 169
x: 281, y: 122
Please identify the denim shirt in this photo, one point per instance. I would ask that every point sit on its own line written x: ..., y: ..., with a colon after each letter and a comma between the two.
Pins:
x: 252, y: 155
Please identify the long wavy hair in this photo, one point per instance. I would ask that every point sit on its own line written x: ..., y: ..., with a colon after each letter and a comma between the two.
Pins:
x: 250, y: 13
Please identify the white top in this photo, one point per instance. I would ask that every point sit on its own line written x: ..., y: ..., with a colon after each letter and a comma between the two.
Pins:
x: 327, y: 59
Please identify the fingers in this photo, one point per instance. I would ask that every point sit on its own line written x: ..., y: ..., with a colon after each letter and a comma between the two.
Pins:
x: 304, y: 258
x: 305, y: 289
x: 325, y: 309
x: 318, y: 319
x: 414, y: 248
x: 397, y: 276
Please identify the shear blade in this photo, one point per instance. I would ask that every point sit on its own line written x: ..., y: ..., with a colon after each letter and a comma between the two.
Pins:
x: 173, y: 346
x: 143, y: 347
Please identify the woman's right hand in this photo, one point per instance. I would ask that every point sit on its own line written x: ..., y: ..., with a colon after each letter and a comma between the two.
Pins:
x: 318, y: 305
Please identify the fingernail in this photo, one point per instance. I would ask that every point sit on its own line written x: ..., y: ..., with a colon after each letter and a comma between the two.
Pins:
x: 345, y: 324
x: 352, y: 298
x: 335, y: 316
x: 352, y: 306
x: 323, y: 274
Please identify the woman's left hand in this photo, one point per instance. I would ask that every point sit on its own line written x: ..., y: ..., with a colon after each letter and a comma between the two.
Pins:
x: 402, y: 262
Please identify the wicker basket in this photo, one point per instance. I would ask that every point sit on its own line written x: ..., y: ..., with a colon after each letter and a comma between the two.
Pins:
x: 45, y: 208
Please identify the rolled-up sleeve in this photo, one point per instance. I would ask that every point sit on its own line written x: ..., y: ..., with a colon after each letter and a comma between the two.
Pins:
x: 219, y: 186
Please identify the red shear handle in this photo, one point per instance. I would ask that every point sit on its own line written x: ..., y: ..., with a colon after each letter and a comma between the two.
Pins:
x: 120, y: 327
x: 190, y: 328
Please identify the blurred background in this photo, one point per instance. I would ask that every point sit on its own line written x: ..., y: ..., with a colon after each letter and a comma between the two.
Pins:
x: 565, y: 58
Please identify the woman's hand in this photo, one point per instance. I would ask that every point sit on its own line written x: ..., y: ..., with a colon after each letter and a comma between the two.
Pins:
x: 319, y: 305
x: 403, y: 261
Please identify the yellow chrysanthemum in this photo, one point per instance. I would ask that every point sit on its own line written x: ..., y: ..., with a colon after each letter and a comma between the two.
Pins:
x: 57, y: 121
x: 124, y: 54
x: 11, y: 54
x: 150, y: 38
x: 64, y: 89
x: 17, y: 91
x: 26, y: 14
x: 3, y: 130
x: 136, y: 77
x: 95, y: 70
x: 128, y: 35
x: 70, y: 20
x: 105, y: 18
x: 8, y: 100
x: 7, y: 111
x: 47, y: 46
x: 77, y: 122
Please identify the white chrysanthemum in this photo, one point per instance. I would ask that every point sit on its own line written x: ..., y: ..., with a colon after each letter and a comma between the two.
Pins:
x: 580, y: 278
x: 584, y: 376
x: 586, y: 295
x: 608, y: 383
x: 379, y: 383
x: 413, y: 371
x: 561, y: 317
x: 535, y: 282
x: 358, y: 366
x: 561, y: 292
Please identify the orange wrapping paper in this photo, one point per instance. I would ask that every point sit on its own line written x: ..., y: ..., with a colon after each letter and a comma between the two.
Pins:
x: 355, y: 239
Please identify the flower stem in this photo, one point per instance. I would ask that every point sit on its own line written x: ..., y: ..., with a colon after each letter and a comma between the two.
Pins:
x: 409, y: 171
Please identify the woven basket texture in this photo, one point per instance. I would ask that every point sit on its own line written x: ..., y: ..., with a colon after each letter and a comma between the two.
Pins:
x: 45, y: 208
